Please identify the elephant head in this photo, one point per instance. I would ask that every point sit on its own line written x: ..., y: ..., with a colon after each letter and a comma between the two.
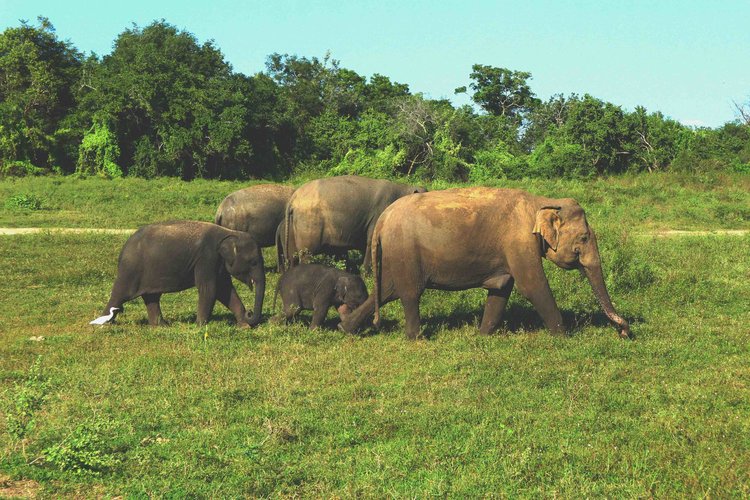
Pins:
x: 243, y: 259
x: 569, y: 241
x: 351, y: 293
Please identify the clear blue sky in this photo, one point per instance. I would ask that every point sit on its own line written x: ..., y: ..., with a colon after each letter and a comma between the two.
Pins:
x: 688, y: 59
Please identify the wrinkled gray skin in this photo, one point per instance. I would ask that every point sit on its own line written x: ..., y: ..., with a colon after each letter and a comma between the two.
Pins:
x: 316, y: 287
x: 481, y: 238
x: 337, y: 214
x: 173, y: 256
x: 257, y: 210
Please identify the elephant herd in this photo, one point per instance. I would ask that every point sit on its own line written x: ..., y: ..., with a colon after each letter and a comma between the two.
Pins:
x: 412, y: 240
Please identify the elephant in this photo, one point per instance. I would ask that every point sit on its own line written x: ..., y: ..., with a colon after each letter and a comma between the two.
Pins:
x: 480, y: 238
x: 336, y: 214
x: 173, y: 256
x: 257, y: 210
x: 317, y: 287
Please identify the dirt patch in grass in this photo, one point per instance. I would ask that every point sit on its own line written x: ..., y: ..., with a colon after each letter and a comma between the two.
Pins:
x: 23, y: 488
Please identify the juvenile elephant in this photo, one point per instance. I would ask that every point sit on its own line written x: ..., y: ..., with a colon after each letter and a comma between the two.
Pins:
x: 480, y: 238
x: 257, y: 210
x: 174, y: 256
x: 336, y: 214
x: 316, y: 287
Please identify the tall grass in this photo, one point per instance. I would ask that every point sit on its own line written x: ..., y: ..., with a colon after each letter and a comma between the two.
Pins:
x: 645, y: 202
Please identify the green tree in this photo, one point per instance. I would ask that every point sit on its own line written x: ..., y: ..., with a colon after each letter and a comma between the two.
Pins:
x: 176, y: 106
x: 38, y: 76
x: 502, y: 92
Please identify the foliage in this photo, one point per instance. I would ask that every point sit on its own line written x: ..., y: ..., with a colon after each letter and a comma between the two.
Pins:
x: 556, y: 158
x: 38, y: 74
x: 98, y: 152
x: 24, y: 401
x: 502, y: 92
x: 20, y: 168
x: 23, y: 201
x: 84, y: 450
x: 164, y: 104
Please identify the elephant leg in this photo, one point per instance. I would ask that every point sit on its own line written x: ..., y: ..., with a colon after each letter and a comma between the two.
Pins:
x: 497, y: 299
x: 206, y: 301
x: 153, y: 307
x: 290, y: 311
x: 410, y: 303
x: 321, y: 304
x: 367, y: 263
x: 539, y: 294
x: 227, y: 295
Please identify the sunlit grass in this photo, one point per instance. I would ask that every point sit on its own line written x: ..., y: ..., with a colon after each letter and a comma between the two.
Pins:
x: 281, y: 410
x: 218, y: 411
x: 648, y: 202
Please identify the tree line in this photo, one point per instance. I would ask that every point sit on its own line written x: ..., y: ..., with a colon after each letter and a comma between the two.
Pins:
x: 163, y: 104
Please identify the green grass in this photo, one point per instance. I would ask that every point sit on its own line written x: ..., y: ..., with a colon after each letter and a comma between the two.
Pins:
x: 646, y: 202
x: 217, y: 411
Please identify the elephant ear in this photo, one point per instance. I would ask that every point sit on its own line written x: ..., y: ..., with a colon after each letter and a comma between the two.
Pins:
x: 341, y: 286
x: 228, y: 249
x: 548, y: 225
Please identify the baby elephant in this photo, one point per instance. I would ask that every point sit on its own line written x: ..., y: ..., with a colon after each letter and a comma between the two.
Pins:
x: 173, y: 256
x: 318, y: 287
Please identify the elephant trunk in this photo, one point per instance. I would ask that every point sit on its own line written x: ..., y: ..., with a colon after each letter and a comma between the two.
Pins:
x: 592, y: 267
x: 260, y: 291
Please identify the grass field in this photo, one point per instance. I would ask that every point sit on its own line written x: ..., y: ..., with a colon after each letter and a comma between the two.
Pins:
x: 282, y: 411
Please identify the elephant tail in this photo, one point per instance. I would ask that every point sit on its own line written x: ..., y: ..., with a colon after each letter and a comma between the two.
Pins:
x: 280, y: 252
x: 377, y: 272
x: 287, y: 223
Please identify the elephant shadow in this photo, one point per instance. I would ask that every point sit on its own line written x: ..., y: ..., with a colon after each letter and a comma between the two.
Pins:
x: 517, y: 318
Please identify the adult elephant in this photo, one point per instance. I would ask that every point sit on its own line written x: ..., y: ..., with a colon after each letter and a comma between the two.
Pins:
x: 257, y: 210
x: 480, y: 238
x: 336, y: 214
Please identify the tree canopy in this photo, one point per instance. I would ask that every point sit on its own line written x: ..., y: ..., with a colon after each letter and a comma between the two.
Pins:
x: 164, y: 104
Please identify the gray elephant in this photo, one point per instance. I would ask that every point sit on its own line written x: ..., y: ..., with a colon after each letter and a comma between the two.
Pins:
x: 257, y: 210
x: 337, y: 214
x: 173, y: 256
x: 480, y: 238
x: 316, y: 287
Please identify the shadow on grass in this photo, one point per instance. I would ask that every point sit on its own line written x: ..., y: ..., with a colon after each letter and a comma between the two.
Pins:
x: 516, y: 318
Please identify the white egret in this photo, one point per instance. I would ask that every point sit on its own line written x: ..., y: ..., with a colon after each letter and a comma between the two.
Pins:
x: 106, y: 318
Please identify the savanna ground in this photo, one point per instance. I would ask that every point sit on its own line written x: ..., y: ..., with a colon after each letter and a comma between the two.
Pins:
x: 279, y: 410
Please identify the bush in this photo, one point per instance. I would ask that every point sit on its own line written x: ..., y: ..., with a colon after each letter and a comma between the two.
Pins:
x: 20, y: 168
x: 83, y: 450
x: 98, y: 152
x: 382, y: 163
x: 23, y: 201
x: 496, y: 163
x: 553, y: 159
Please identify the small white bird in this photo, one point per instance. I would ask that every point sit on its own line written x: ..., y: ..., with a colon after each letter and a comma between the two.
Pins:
x: 106, y: 318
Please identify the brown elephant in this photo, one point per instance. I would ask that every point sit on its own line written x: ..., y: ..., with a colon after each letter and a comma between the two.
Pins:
x: 337, y: 214
x: 257, y: 210
x: 480, y: 238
